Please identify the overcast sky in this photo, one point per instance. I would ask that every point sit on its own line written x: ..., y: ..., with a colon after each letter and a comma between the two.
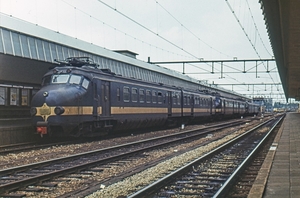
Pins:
x: 168, y: 30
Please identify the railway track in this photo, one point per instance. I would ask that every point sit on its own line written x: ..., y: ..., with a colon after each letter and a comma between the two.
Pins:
x: 27, y: 146
x: 212, y: 174
x: 23, y: 176
x: 246, y: 179
x: 15, y: 148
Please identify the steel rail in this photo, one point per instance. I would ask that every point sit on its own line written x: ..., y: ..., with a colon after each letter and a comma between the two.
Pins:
x: 29, y: 181
x: 169, y: 177
x: 228, y: 184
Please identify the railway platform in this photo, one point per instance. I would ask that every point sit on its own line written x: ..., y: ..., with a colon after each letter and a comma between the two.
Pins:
x: 14, y: 122
x: 280, y: 174
x: 15, y: 130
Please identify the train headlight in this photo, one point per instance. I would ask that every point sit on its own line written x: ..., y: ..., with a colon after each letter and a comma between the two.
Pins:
x: 33, y: 111
x: 59, y: 110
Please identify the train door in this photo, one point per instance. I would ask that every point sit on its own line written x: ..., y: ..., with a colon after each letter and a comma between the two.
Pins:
x: 96, y: 102
x: 105, y: 98
x: 192, y: 102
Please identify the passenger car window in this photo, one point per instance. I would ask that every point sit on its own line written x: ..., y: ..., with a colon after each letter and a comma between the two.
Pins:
x: 126, y: 96
x: 118, y: 94
x: 174, y: 98
x: 148, y: 96
x: 178, y: 99
x: 142, y: 96
x: 154, y: 97
x: 159, y: 98
x: 134, y: 94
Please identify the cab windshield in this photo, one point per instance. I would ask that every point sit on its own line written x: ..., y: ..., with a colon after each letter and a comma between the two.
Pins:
x: 63, y: 78
x: 66, y: 79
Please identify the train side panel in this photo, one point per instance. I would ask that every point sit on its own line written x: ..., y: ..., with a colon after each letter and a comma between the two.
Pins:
x: 138, y: 105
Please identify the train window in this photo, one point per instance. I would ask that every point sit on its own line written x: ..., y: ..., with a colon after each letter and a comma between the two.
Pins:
x: 85, y: 83
x: 184, y: 100
x: 148, y: 96
x: 60, y: 78
x: 188, y: 100
x: 134, y: 95
x: 126, y: 96
x: 159, y: 98
x: 174, y: 98
x: 118, y: 94
x: 75, y: 79
x: 154, y: 97
x: 142, y: 95
x: 178, y: 99
x: 3, y: 97
x: 46, y: 80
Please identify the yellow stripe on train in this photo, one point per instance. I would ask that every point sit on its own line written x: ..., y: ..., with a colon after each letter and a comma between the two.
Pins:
x: 137, y: 110
x: 46, y: 111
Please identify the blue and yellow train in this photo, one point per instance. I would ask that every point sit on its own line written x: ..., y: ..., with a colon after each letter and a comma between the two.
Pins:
x: 78, y: 99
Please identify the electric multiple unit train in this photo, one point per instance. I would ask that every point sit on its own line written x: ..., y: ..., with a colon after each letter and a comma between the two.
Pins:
x: 78, y: 99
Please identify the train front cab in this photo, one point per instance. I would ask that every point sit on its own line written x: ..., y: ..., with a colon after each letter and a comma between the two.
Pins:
x: 61, y: 104
x: 219, y: 108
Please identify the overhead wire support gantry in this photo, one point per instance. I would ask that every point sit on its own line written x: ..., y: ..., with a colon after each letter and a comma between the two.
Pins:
x: 221, y: 62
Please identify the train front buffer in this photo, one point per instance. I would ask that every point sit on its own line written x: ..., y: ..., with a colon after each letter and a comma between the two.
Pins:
x: 42, y: 128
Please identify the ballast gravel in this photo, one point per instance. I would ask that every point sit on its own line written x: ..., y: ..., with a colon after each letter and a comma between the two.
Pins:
x: 134, y: 183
